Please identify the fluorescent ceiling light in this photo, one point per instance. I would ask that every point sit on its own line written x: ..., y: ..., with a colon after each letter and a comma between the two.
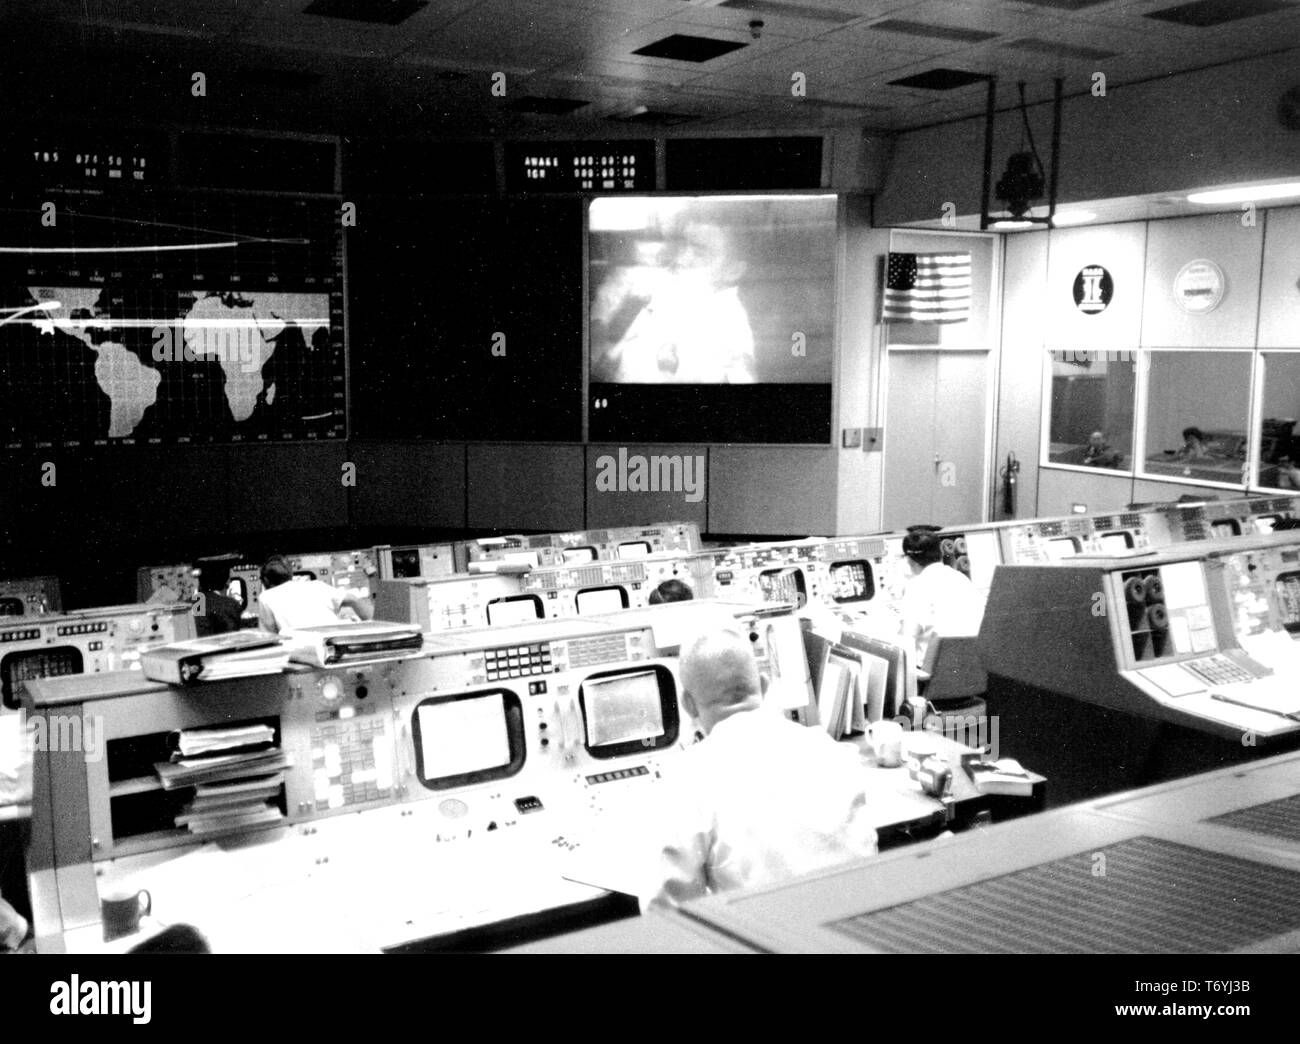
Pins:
x: 1257, y: 194
x: 1073, y: 217
x: 1013, y: 223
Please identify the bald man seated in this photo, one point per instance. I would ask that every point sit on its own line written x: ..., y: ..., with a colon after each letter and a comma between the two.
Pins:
x: 760, y: 798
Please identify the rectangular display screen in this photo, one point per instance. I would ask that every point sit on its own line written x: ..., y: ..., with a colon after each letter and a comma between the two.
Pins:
x: 601, y: 600
x: 1061, y: 548
x: 20, y: 667
x: 711, y: 290
x: 633, y: 549
x: 521, y: 609
x: 711, y: 318
x: 624, y: 708
x: 784, y: 585
x: 579, y: 554
x: 1116, y: 542
x: 462, y: 737
x: 406, y: 562
x: 851, y: 581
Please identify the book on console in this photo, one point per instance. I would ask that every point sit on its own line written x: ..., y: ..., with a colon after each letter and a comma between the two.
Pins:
x: 238, y: 654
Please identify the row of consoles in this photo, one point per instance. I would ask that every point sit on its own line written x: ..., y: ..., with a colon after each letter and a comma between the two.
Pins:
x: 504, y: 769
x: 858, y: 578
x: 497, y: 773
x: 505, y: 772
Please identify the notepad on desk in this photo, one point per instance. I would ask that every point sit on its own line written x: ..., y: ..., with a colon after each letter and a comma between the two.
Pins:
x: 1005, y: 776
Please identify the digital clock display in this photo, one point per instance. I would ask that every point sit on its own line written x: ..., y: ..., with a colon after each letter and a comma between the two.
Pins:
x: 625, y: 166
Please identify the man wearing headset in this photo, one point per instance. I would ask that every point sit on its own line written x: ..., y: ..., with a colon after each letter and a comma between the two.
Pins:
x: 937, y: 600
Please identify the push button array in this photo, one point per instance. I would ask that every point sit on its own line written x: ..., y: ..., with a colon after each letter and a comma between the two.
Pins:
x: 517, y: 661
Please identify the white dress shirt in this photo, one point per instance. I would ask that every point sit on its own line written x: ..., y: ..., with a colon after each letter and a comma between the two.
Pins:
x: 759, y: 800
x: 940, y: 601
x: 299, y: 603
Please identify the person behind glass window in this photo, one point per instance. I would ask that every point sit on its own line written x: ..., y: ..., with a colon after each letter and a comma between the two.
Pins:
x: 1194, y: 445
x: 1099, y: 454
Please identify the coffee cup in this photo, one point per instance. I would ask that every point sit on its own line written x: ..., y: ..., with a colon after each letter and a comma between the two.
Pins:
x: 120, y: 911
x: 886, y: 739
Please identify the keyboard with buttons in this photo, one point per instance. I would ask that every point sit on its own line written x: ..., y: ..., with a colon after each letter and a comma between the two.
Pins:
x: 1218, y: 670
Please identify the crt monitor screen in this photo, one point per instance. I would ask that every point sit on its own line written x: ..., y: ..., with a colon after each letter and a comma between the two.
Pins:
x: 629, y: 711
x: 10, y: 606
x: 579, y: 554
x: 633, y: 549
x: 1265, y: 523
x: 707, y: 289
x: 238, y: 590
x: 1061, y: 548
x: 514, y: 609
x: 1114, y: 542
x: 852, y: 581
x: 784, y: 585
x: 601, y: 600
x: 1226, y: 528
x: 467, y: 738
x: 711, y: 318
x: 28, y: 664
x: 406, y: 562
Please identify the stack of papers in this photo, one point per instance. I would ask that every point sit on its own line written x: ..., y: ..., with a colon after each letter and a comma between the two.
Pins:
x: 189, y: 772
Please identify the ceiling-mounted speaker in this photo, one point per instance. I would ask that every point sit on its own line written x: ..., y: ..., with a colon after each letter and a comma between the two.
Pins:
x: 1288, y: 108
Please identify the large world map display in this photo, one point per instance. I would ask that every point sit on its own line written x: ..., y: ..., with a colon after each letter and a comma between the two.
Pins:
x: 234, y: 345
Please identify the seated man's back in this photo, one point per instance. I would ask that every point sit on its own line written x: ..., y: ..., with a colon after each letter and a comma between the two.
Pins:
x: 299, y: 603
x: 759, y: 800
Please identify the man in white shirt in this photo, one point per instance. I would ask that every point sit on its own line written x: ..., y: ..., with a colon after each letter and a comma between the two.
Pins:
x: 938, y: 601
x: 286, y: 604
x: 760, y: 799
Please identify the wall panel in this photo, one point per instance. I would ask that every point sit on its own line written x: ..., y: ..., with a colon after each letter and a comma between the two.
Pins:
x: 514, y: 486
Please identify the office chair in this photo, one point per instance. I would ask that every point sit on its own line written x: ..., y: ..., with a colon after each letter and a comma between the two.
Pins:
x: 957, y: 681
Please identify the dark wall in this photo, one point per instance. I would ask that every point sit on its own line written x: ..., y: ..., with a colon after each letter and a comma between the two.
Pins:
x: 465, y: 318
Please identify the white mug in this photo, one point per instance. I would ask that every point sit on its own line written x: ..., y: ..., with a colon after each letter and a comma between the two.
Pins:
x: 886, y: 739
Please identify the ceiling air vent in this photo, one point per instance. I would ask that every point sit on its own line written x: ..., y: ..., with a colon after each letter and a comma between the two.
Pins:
x: 1205, y: 13
x: 381, y: 12
x: 683, y: 48
x: 940, y: 79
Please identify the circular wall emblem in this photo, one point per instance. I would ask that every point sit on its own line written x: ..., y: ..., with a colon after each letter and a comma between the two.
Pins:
x: 1199, y: 286
x: 1093, y: 289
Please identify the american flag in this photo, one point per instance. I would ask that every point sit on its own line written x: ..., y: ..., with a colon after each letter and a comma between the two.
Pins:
x: 927, y: 288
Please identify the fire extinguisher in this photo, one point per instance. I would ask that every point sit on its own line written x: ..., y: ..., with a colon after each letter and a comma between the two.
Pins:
x: 1009, y: 472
